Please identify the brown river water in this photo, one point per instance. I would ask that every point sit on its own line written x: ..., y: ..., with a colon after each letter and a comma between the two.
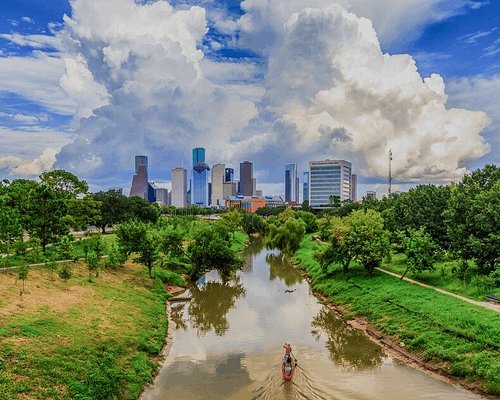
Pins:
x: 227, y: 344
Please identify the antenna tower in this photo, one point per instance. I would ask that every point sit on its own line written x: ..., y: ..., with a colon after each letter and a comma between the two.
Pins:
x: 389, y: 188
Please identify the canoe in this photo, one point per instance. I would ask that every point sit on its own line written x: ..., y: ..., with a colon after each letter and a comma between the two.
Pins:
x: 287, y: 369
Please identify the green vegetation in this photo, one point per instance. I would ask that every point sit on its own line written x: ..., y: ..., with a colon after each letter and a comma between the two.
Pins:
x: 465, y: 339
x: 80, y: 340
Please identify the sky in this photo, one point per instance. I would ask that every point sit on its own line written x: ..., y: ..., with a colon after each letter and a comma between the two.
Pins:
x: 86, y: 85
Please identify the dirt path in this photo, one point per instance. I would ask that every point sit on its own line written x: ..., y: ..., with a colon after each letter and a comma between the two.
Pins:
x: 484, y: 304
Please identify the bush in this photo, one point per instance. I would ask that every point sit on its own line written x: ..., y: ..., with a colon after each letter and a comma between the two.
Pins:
x: 170, y: 277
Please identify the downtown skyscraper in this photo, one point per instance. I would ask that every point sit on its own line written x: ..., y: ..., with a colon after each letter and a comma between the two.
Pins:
x: 329, y: 181
x: 217, y: 195
x: 140, y: 180
x: 291, y: 184
x: 179, y: 187
x: 199, y: 190
x: 247, y: 181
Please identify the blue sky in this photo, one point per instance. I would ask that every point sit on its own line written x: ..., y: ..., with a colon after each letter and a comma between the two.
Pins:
x: 45, y: 106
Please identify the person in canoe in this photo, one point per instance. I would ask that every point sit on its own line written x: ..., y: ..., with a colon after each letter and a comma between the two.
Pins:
x: 288, y: 353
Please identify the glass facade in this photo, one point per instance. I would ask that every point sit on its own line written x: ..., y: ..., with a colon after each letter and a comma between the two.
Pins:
x: 329, y: 178
x: 305, y: 187
x: 199, y: 193
x: 291, y: 184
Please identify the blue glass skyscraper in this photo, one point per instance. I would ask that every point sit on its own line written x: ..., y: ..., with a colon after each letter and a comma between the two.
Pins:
x: 199, y: 192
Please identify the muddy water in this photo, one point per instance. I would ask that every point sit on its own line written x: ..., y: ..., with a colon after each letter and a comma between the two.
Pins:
x: 227, y: 344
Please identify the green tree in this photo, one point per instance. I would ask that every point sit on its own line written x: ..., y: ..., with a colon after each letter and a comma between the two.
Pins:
x: 83, y: 212
x: 141, y: 238
x: 287, y: 236
x: 422, y: 206
x: 65, y: 247
x: 22, y: 274
x: 420, y: 251
x: 252, y: 223
x: 473, y: 217
x: 232, y: 219
x: 10, y: 226
x: 209, y: 250
x: 114, y: 208
x: 142, y: 210
x: 65, y: 273
x: 367, y: 238
x: 92, y: 264
x: 309, y: 219
x: 64, y: 183
x: 339, y: 249
x: 46, y: 212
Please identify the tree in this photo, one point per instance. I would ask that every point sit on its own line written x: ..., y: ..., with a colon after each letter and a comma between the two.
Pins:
x: 309, y: 219
x: 92, y: 264
x: 139, y: 237
x: 10, y: 226
x: 140, y: 209
x: 232, y: 219
x: 473, y: 216
x: 422, y: 206
x: 252, y: 223
x: 209, y: 250
x: 420, y: 250
x: 339, y: 249
x: 65, y: 273
x: 287, y: 236
x: 65, y: 247
x: 64, y: 183
x: 83, y: 212
x: 22, y: 274
x: 114, y: 208
x: 46, y: 212
x: 367, y: 238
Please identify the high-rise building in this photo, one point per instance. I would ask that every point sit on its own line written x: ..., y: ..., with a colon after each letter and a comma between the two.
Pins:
x: 229, y: 175
x: 199, y: 190
x: 371, y: 193
x: 179, y: 187
x: 305, y: 186
x: 218, y: 176
x: 246, y: 179
x: 329, y: 179
x: 229, y: 189
x: 291, y: 184
x: 140, y: 180
x: 354, y: 187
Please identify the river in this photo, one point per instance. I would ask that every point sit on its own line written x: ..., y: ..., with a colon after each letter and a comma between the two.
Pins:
x: 227, y: 344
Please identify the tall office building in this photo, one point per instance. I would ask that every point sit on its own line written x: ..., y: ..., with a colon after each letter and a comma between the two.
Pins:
x: 354, y: 187
x: 199, y: 190
x: 329, y: 178
x: 140, y: 180
x: 246, y: 179
x: 229, y: 175
x: 179, y: 187
x: 291, y: 184
x: 218, y: 177
x: 305, y: 186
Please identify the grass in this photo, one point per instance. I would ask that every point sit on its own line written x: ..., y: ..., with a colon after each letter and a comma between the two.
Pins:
x: 461, y: 337
x: 52, y: 253
x: 80, y: 340
x: 444, y: 278
x: 240, y: 240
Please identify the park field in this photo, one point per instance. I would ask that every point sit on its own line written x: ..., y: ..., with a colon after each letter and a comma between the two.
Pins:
x: 80, y: 339
x: 461, y: 339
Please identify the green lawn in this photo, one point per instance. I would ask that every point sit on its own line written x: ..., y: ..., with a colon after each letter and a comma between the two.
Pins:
x: 80, y: 340
x: 440, y: 328
x: 443, y: 277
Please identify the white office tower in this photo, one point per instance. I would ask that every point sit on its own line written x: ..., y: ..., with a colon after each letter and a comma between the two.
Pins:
x: 329, y: 179
x: 217, y: 198
x: 179, y: 187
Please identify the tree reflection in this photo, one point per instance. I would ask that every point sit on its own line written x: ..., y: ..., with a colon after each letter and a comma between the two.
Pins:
x: 348, y: 347
x: 211, y: 303
x: 280, y: 268
x: 176, y: 314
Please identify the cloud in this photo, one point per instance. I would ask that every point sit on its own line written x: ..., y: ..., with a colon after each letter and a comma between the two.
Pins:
x: 474, y: 37
x: 160, y: 102
x: 34, y: 41
x: 334, y: 94
x: 25, y: 118
x: 29, y: 167
x: 395, y: 21
x: 27, y: 20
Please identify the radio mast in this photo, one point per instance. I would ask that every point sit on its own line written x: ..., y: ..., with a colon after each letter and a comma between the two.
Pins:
x: 389, y: 188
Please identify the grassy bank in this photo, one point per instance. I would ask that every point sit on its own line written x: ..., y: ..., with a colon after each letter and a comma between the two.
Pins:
x: 240, y: 240
x: 444, y: 277
x: 463, y: 339
x: 80, y: 340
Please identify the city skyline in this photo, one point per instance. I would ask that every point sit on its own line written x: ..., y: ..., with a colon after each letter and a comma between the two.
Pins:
x: 235, y: 89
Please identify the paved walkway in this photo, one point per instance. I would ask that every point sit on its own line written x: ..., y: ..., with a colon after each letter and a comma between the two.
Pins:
x: 484, y: 304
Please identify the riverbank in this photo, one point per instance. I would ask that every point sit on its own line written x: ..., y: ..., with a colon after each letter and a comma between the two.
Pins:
x: 440, y: 333
x: 80, y: 339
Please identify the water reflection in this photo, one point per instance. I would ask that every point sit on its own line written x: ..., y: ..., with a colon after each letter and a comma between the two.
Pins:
x: 280, y: 268
x: 210, y: 304
x: 348, y: 347
x: 177, y: 315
